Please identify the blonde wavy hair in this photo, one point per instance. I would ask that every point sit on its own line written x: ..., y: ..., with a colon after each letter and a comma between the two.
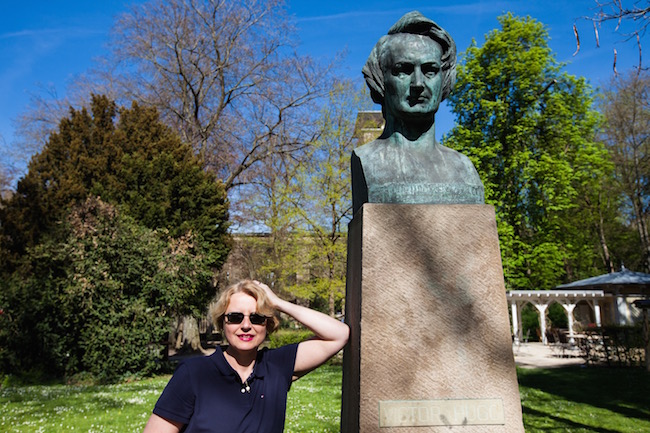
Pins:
x: 251, y: 288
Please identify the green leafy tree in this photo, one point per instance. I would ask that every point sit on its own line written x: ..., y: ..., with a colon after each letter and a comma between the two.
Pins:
x: 135, y: 162
x: 97, y: 296
x: 529, y: 128
x: 326, y: 198
x: 305, y: 206
x: 271, y: 220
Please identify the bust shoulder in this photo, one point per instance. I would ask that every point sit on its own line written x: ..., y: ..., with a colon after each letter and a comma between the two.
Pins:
x: 386, y: 172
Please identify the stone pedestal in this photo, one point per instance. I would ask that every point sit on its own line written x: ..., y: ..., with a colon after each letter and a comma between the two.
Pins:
x: 430, y: 347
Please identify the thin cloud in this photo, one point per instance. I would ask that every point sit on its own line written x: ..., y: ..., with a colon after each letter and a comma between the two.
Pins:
x: 464, y: 9
x: 64, y: 31
x: 348, y: 15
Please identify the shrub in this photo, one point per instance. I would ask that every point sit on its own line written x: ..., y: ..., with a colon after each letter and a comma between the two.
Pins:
x: 282, y: 337
x: 99, y: 299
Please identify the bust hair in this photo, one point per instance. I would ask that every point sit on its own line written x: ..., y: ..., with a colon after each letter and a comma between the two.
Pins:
x: 417, y: 24
x: 249, y: 287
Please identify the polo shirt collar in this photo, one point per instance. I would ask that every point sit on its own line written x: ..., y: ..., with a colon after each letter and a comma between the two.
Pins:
x: 226, y: 369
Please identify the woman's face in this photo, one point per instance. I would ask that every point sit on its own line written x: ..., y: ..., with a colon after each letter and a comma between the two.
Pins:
x: 243, y: 336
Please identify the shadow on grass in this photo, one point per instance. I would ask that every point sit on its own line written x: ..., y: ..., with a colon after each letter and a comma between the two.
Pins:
x: 561, y: 424
x: 620, y: 390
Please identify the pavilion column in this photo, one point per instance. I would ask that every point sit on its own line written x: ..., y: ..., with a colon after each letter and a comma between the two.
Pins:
x: 515, y: 322
x: 569, y: 312
x: 597, y: 313
x: 621, y: 310
x: 541, y: 308
x: 520, y: 306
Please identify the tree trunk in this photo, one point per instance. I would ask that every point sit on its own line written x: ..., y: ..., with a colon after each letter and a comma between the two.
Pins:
x: 643, y: 231
x: 607, y: 260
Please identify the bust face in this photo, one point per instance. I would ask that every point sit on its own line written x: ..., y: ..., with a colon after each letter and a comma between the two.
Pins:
x: 412, y: 79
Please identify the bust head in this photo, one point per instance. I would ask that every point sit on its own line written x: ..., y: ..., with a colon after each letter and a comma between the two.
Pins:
x: 414, y: 42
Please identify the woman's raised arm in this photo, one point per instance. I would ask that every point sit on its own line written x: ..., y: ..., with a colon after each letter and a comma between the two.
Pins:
x: 330, y: 335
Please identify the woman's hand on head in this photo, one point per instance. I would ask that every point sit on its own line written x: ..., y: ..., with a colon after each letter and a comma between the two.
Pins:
x: 274, y: 299
x: 330, y: 334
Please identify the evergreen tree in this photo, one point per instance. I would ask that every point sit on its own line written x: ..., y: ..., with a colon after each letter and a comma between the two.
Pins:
x: 90, y: 283
x: 529, y: 129
x: 135, y: 162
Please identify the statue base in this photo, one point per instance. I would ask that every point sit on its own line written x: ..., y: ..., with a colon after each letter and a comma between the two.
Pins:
x: 430, y: 347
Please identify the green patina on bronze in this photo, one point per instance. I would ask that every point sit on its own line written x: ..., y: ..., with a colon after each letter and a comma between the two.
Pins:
x: 409, y: 72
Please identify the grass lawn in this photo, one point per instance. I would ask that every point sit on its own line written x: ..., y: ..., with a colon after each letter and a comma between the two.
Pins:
x: 578, y: 400
x: 559, y: 400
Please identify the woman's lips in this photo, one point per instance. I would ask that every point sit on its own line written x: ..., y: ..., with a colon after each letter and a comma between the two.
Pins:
x: 245, y: 337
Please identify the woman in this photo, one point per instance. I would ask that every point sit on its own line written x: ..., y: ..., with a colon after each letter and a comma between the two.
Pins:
x: 240, y: 388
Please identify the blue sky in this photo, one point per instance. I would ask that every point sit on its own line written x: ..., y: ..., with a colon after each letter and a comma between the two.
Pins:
x: 44, y: 44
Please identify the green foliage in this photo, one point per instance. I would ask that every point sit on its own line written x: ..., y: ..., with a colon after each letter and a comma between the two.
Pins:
x: 557, y: 316
x: 305, y: 204
x: 90, y: 284
x: 529, y: 129
x: 326, y: 198
x: 135, y: 162
x: 530, y: 322
x: 282, y: 337
x: 99, y: 298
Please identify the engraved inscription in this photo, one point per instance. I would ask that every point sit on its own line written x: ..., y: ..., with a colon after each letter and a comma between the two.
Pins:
x: 414, y: 193
x: 417, y: 413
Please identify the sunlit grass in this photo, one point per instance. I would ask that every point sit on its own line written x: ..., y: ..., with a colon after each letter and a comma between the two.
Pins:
x: 61, y: 408
x: 575, y: 400
x: 315, y: 402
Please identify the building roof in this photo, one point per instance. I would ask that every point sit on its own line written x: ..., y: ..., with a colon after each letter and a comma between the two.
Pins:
x: 624, y: 281
x: 563, y: 294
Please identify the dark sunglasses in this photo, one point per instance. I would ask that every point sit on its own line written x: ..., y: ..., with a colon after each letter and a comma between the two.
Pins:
x: 237, y: 318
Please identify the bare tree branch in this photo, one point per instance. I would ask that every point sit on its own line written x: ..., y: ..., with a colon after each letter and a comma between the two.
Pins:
x: 637, y: 16
x: 575, y: 32
x: 224, y: 74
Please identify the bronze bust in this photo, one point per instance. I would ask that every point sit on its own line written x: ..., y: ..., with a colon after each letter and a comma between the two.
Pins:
x: 409, y: 72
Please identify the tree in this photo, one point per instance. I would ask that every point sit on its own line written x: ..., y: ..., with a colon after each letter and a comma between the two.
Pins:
x: 97, y: 295
x: 271, y: 208
x: 325, y: 206
x: 6, y: 174
x: 529, y: 129
x: 137, y: 163
x: 626, y: 108
x: 223, y: 74
x: 74, y: 264
x: 304, y: 207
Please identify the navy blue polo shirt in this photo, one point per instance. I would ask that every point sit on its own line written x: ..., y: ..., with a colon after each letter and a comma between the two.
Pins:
x: 205, y: 394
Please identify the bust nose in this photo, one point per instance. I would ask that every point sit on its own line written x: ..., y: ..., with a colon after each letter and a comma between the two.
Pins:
x: 417, y: 80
